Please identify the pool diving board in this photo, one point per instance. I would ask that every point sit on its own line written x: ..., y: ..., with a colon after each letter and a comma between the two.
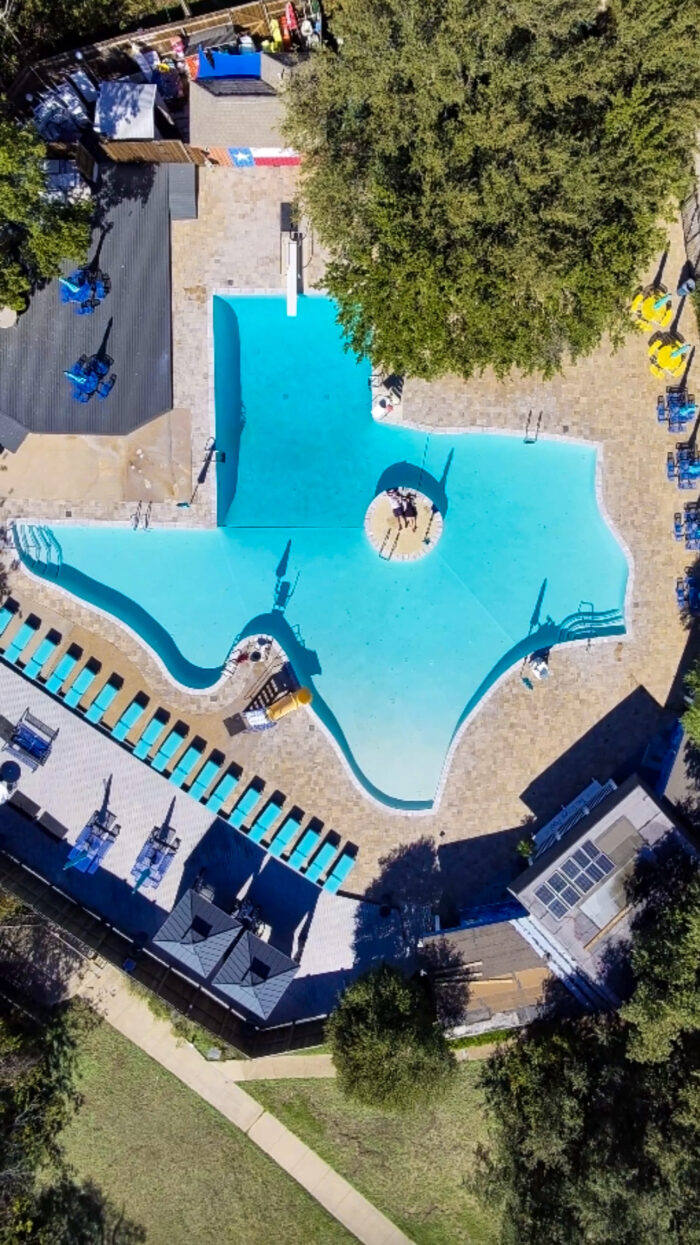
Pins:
x: 41, y: 654
x: 221, y: 792
x: 265, y: 820
x: 245, y: 806
x: 286, y: 833
x: 85, y: 679
x: 103, y: 700
x: 323, y: 858
x: 129, y: 718
x: 64, y: 669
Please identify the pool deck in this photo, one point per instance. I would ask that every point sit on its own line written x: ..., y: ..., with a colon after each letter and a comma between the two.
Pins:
x: 524, y: 752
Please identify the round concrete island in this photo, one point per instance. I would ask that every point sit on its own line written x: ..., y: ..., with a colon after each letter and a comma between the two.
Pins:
x: 8, y: 318
x: 402, y: 524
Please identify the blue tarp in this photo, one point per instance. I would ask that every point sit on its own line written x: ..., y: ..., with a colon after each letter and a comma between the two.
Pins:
x: 229, y: 65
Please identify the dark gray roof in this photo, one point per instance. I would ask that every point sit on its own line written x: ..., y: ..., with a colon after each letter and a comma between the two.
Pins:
x: 255, y: 975
x: 183, y: 191
x: 133, y: 321
x: 197, y: 933
x: 236, y: 86
x: 12, y: 434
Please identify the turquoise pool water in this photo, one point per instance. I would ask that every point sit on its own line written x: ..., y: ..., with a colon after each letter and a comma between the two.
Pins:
x: 397, y: 654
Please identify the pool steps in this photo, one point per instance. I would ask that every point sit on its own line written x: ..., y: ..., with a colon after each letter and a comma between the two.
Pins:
x: 210, y: 781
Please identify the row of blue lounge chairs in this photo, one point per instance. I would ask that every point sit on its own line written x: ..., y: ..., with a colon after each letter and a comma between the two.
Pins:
x: 213, y: 784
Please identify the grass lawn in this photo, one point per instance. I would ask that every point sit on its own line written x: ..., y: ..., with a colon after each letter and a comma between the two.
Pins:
x: 174, y: 1165
x: 417, y: 1168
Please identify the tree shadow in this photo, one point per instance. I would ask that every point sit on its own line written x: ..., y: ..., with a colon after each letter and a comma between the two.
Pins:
x: 119, y: 184
x: 398, y: 905
x: 73, y: 1213
x: 448, y: 978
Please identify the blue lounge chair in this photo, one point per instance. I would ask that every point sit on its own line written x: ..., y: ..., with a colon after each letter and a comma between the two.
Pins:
x: 221, y: 792
x: 64, y: 668
x: 661, y: 409
x: 285, y: 834
x: 17, y: 646
x: 7, y: 613
x: 149, y: 735
x: 265, y: 819
x: 154, y: 859
x: 670, y: 467
x: 186, y: 764
x: 129, y: 718
x: 102, y: 701
x: 322, y: 860
x: 306, y: 845
x: 204, y: 778
x: 41, y: 655
x: 245, y: 806
x: 168, y: 748
x: 85, y: 679
x: 339, y: 872
x: 678, y: 526
x: 680, y: 594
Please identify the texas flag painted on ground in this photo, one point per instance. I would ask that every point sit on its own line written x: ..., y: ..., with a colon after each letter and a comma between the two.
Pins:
x: 254, y: 157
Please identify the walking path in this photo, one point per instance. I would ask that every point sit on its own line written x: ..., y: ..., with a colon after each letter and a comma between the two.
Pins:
x: 106, y: 990
x: 303, y: 1067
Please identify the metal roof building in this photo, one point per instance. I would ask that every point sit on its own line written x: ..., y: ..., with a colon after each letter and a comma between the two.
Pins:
x: 255, y: 975
x: 132, y: 324
x: 197, y: 933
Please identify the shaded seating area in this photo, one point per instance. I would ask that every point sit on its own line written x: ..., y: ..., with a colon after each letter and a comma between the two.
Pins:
x: 676, y: 408
x: 155, y: 858
x: 89, y: 378
x: 255, y: 975
x: 31, y: 741
x: 93, y: 842
x: 84, y: 289
x: 197, y: 933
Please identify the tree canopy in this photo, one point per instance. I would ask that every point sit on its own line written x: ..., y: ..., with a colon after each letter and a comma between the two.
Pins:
x: 596, y: 1120
x: 36, y: 235
x: 488, y: 179
x: 388, y: 1049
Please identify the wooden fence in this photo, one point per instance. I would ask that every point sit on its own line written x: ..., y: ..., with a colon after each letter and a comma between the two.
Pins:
x: 159, y: 151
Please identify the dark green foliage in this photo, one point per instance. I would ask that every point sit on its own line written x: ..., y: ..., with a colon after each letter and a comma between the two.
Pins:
x: 596, y: 1121
x: 387, y: 1047
x: 691, y: 717
x: 488, y: 178
x: 33, y: 28
x: 35, y: 235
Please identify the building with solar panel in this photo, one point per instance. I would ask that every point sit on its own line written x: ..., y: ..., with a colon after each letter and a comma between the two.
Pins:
x: 576, y: 911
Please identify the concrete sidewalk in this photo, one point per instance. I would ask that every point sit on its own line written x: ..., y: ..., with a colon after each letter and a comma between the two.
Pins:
x: 105, y: 988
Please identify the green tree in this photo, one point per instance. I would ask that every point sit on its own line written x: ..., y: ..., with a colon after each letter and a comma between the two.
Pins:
x: 691, y: 717
x: 36, y: 235
x: 595, y: 1121
x: 388, y: 1049
x: 488, y: 178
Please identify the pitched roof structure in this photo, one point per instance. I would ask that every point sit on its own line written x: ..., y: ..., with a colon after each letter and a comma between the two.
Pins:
x: 255, y: 975
x: 131, y: 324
x: 197, y: 933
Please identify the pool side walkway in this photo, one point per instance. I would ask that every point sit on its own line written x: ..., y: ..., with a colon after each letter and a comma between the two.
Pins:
x: 131, y: 1016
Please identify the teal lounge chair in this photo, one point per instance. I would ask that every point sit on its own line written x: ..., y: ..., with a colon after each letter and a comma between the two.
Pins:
x: 264, y: 820
x: 46, y: 649
x: 186, y: 764
x: 128, y: 719
x: 148, y: 737
x: 168, y: 748
x: 102, y: 701
x: 285, y: 834
x: 17, y: 646
x: 323, y: 858
x: 204, y: 778
x: 245, y: 806
x: 7, y: 613
x: 221, y: 792
x: 85, y: 679
x: 339, y: 872
x: 304, y: 848
x: 64, y: 668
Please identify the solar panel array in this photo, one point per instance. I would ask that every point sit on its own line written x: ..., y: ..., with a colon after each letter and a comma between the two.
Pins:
x: 575, y: 877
